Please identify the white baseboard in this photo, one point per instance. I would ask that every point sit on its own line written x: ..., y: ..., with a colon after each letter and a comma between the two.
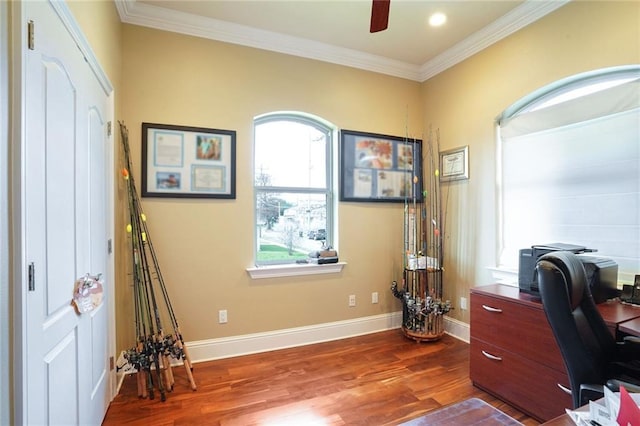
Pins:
x: 458, y: 329
x: 228, y: 347
x: 120, y: 373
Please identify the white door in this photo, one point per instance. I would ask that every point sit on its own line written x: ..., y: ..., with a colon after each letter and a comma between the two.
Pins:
x: 67, y: 362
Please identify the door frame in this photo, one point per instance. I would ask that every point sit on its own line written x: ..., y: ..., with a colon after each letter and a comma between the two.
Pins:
x: 5, y: 331
x: 17, y: 262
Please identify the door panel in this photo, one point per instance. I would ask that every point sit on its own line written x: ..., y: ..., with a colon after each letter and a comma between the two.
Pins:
x: 59, y: 145
x: 97, y: 242
x: 65, y: 227
x: 62, y: 389
x: 99, y: 361
x: 52, y: 354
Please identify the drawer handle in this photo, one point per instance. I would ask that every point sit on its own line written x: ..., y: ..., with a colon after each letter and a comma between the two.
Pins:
x: 493, y: 357
x: 490, y: 309
x: 564, y: 389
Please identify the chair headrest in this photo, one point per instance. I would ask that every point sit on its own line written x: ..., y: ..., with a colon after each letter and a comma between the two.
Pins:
x: 573, y: 271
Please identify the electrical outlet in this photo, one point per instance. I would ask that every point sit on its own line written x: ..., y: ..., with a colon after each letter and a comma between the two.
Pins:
x: 374, y: 297
x: 222, y: 316
x: 352, y: 300
x: 463, y: 303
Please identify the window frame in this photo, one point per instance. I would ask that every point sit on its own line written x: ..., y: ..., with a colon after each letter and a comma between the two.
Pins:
x: 503, y: 272
x: 278, y: 268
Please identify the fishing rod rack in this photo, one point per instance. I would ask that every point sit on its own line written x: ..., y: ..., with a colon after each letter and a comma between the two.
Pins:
x: 423, y: 252
x: 151, y: 357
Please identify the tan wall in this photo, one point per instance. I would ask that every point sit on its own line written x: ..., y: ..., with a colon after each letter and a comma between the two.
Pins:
x: 205, y: 246
x: 464, y: 101
x: 101, y: 25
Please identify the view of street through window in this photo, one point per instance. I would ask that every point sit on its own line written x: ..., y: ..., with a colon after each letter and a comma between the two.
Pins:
x: 301, y: 243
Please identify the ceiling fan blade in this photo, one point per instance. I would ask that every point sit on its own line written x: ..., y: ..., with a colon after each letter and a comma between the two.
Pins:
x: 379, y: 15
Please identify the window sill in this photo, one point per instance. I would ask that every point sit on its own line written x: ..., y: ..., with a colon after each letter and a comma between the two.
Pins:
x: 294, y: 270
x: 504, y: 275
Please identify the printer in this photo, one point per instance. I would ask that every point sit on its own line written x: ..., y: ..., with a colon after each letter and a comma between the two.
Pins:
x: 602, y: 274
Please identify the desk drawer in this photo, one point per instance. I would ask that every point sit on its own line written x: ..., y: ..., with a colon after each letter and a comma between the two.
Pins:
x: 521, y: 329
x: 523, y: 383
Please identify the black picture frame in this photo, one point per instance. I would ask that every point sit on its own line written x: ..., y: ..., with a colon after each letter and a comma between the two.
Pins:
x: 188, y: 162
x: 379, y: 168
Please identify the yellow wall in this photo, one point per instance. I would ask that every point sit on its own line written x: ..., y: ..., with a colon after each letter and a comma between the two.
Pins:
x: 100, y: 24
x: 204, y: 246
x: 464, y: 101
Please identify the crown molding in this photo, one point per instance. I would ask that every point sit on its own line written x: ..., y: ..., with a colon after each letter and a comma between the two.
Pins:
x: 133, y: 12
x: 520, y: 17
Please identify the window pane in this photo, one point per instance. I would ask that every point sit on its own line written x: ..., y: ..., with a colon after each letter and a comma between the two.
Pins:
x: 289, y: 225
x: 290, y: 154
x: 571, y: 170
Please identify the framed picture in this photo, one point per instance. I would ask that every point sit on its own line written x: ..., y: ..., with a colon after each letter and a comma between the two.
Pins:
x: 454, y: 164
x: 379, y: 168
x: 188, y: 162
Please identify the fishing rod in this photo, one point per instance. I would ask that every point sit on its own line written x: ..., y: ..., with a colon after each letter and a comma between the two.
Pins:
x: 153, y: 348
x: 435, y: 235
x: 173, y: 345
x: 163, y: 345
x: 172, y: 316
x: 439, y: 235
x: 152, y: 344
x: 137, y: 356
x: 146, y: 351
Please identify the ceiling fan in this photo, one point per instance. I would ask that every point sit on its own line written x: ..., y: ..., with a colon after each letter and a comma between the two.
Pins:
x: 379, y: 15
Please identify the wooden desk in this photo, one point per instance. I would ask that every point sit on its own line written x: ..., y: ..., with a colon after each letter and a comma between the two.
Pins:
x: 615, y: 313
x: 507, y: 327
x: 564, y: 420
x: 630, y: 327
x: 619, y: 317
x: 513, y: 354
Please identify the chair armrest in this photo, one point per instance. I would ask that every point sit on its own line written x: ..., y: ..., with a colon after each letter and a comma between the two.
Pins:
x: 590, y: 392
x: 634, y: 340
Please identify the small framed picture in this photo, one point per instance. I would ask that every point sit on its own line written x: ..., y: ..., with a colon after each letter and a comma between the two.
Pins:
x: 454, y: 164
x: 188, y: 162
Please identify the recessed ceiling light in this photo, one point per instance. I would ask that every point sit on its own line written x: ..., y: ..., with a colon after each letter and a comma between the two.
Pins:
x: 437, y: 19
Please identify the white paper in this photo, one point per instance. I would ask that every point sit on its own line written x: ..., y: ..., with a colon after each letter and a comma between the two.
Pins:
x: 601, y: 414
x: 168, y: 150
x: 362, y: 183
x: 605, y: 412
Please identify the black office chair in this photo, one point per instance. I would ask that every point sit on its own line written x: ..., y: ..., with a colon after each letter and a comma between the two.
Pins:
x: 591, y: 355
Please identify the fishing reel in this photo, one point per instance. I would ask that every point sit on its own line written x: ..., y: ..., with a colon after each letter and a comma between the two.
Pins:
x: 138, y: 360
x: 397, y: 293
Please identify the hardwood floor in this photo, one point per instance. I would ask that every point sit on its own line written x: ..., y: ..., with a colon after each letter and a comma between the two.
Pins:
x: 376, y: 379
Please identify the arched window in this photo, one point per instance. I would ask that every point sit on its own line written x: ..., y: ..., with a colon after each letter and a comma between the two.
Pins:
x: 569, y: 168
x: 293, y: 187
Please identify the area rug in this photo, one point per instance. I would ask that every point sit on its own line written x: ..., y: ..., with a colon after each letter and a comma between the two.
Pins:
x: 473, y: 411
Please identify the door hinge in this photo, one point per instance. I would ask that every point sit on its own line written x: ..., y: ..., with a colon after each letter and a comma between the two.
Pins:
x: 109, y: 128
x: 111, y: 363
x: 32, y: 277
x: 109, y: 246
x: 30, y: 35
